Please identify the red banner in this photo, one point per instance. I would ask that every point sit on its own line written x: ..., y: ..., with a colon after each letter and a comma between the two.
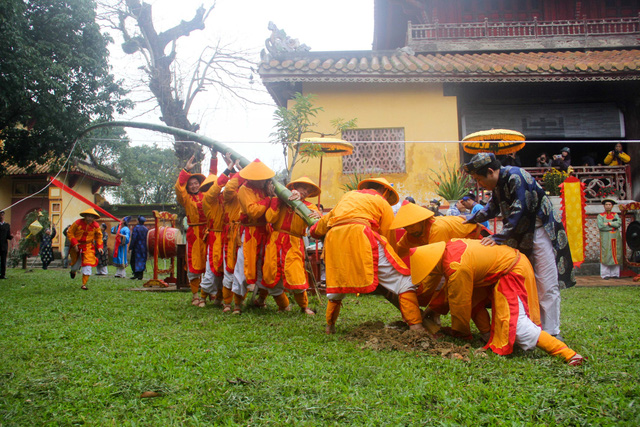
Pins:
x: 82, y: 198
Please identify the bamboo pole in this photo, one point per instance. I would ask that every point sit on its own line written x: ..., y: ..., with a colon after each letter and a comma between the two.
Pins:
x: 281, y: 191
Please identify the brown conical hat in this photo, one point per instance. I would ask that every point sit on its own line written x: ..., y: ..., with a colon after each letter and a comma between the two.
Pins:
x: 409, y: 214
x: 307, y: 181
x: 392, y: 195
x: 90, y: 211
x: 424, y: 259
x: 256, y: 171
x: 208, y: 182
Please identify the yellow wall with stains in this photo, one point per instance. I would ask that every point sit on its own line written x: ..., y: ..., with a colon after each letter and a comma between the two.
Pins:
x: 420, y: 108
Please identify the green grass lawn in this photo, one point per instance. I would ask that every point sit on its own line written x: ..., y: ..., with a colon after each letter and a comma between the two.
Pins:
x: 85, y: 357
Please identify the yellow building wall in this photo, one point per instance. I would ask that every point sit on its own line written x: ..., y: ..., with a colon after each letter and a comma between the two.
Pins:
x: 5, y: 196
x: 421, y: 109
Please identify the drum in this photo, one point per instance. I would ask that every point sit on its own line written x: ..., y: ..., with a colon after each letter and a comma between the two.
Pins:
x: 167, y: 243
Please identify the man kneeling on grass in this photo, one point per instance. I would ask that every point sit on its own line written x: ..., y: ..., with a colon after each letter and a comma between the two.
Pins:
x: 475, y: 274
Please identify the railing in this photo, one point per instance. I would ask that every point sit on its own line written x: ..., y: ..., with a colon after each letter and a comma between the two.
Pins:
x: 530, y: 29
x: 595, y: 178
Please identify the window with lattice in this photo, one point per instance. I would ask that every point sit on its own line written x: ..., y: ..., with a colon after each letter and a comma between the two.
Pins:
x: 375, y: 151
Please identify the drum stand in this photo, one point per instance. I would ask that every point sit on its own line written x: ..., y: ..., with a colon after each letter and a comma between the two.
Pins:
x: 155, y: 282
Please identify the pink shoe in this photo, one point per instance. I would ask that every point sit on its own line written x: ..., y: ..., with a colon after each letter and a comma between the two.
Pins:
x: 236, y: 311
x: 287, y: 308
x: 308, y: 311
x: 226, y: 309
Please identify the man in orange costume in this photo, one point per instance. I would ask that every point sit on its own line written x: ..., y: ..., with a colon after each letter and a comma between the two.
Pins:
x: 473, y: 273
x: 359, y: 252
x: 254, y: 198
x: 230, y: 180
x: 82, y: 235
x: 189, y: 196
x: 283, y: 266
x: 422, y: 228
x: 211, y: 283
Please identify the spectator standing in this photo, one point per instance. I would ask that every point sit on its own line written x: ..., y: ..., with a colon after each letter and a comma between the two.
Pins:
x: 46, y: 247
x: 434, y: 206
x: 138, y: 248
x: 65, y: 253
x: 562, y: 161
x: 617, y: 157
x: 609, y: 224
x: 103, y: 258
x: 469, y: 202
x: 123, y: 236
x: 543, y: 161
x: 511, y: 159
x: 5, y: 236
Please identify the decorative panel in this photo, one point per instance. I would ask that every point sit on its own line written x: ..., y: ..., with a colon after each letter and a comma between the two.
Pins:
x: 375, y: 151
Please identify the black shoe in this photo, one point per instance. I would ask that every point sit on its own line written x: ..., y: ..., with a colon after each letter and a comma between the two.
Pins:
x: 133, y: 278
x: 2, y: 277
x: 606, y: 278
x: 72, y: 274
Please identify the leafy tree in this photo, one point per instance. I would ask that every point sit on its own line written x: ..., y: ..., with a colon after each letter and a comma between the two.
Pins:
x: 294, y: 122
x: 148, y: 175
x: 54, y: 77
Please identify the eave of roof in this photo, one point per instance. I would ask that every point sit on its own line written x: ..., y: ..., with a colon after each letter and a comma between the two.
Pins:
x: 399, y: 66
x: 78, y: 167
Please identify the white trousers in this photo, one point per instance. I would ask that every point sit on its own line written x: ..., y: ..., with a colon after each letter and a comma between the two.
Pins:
x: 546, y: 272
x: 121, y: 272
x: 527, y: 332
x: 86, y: 269
x: 210, y: 282
x: 388, y: 277
x: 609, y: 270
x: 102, y: 270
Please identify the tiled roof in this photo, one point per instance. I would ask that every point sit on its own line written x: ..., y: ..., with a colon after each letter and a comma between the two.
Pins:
x: 387, y: 66
x: 78, y: 167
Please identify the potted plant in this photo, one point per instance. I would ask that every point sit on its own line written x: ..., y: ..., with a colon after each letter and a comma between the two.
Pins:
x: 452, y: 183
x: 607, y: 192
x: 552, y: 180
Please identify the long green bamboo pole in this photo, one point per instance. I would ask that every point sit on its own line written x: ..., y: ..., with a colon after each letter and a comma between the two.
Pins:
x: 281, y: 191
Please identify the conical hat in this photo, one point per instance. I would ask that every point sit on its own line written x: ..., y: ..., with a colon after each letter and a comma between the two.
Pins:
x: 609, y: 199
x: 408, y: 214
x: 256, y: 171
x: 197, y: 176
x: 208, y: 182
x: 304, y: 180
x: 392, y: 195
x: 424, y: 259
x: 90, y: 211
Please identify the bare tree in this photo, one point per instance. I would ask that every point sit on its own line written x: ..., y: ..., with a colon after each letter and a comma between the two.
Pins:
x: 218, y: 67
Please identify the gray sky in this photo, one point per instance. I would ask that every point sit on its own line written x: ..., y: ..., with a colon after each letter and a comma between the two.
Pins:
x: 325, y: 25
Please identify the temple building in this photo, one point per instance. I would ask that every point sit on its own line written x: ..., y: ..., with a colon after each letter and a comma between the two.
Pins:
x: 564, y: 73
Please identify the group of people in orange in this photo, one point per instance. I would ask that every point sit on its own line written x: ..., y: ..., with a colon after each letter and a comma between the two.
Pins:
x: 242, y: 238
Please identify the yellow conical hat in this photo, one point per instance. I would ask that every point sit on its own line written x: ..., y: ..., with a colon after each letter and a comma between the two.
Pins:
x: 90, y: 211
x: 408, y: 214
x: 392, y: 194
x: 424, y: 259
x: 197, y: 176
x: 256, y: 171
x: 208, y: 182
x: 305, y: 180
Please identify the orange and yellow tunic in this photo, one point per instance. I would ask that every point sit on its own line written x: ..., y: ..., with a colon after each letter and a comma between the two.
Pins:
x: 212, y: 203
x: 475, y: 272
x: 254, y: 203
x: 231, y: 219
x: 353, y: 229
x: 192, y: 204
x: 84, y: 235
x: 285, y: 252
x: 439, y: 229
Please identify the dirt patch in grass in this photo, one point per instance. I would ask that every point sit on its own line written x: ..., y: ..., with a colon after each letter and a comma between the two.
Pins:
x: 397, y: 336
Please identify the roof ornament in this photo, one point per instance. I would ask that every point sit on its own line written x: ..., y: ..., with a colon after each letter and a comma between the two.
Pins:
x: 406, y: 50
x: 280, y: 42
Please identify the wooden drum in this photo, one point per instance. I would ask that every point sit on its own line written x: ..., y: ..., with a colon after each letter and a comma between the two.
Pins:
x: 167, y: 244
